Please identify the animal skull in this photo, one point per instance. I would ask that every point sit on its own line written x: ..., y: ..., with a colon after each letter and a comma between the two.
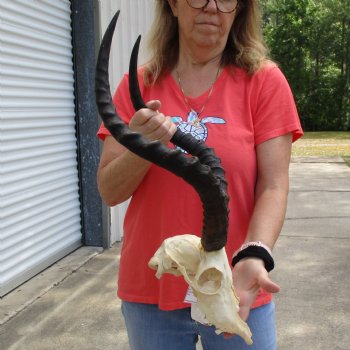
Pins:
x: 209, y: 275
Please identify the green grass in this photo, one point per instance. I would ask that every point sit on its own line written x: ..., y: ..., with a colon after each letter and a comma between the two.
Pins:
x: 325, y: 144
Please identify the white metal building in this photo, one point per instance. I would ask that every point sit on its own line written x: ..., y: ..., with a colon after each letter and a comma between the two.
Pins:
x: 49, y: 204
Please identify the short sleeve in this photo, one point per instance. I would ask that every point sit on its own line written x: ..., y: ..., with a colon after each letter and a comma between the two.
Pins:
x: 274, y: 110
x: 124, y: 108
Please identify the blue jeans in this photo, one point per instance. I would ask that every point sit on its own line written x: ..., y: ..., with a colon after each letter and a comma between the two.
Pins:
x: 152, y: 329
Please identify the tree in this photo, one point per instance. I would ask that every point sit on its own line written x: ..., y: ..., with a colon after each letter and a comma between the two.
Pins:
x: 310, y: 41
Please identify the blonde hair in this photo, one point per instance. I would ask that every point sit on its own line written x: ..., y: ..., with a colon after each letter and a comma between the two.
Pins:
x: 245, y: 47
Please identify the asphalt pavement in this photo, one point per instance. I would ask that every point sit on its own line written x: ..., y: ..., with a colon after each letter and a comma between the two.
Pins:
x: 73, y: 304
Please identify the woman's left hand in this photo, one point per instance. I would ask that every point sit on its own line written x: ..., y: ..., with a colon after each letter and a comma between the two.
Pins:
x: 249, y: 275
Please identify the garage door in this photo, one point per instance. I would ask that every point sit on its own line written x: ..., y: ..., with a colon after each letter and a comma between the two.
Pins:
x: 39, y: 204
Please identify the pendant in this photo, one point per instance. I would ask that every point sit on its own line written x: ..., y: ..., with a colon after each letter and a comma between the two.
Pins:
x: 193, y: 118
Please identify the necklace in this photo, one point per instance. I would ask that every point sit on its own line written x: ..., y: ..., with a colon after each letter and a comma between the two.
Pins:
x: 194, y: 113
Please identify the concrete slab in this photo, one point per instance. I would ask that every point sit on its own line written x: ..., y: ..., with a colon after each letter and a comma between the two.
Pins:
x: 39, y: 285
x: 334, y: 228
x: 82, y: 312
x: 313, y: 310
x: 319, y: 170
x: 311, y: 176
x: 308, y: 183
x: 318, y: 204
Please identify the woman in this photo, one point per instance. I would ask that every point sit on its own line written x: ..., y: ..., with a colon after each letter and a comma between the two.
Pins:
x: 209, y: 76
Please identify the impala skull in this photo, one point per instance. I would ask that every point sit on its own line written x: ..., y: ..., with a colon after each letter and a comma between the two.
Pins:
x: 202, y: 261
x: 209, y: 275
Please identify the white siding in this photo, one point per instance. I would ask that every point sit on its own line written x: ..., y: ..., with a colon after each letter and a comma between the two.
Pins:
x: 134, y: 19
x: 39, y: 198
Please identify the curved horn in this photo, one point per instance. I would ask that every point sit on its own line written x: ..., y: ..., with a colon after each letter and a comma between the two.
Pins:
x: 134, y: 87
x: 209, y: 186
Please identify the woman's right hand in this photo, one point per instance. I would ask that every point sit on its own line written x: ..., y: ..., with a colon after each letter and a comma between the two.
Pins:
x: 120, y: 171
x: 152, y: 124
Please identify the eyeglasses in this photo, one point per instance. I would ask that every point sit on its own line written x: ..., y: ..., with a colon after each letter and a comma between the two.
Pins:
x: 225, y: 6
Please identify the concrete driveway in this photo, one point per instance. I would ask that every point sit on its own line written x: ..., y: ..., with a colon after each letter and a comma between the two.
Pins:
x: 73, y: 304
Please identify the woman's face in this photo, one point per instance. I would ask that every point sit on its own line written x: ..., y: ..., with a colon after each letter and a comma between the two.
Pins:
x: 202, y: 28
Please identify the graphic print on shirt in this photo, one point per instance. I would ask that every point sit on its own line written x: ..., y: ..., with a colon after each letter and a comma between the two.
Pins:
x: 195, y: 126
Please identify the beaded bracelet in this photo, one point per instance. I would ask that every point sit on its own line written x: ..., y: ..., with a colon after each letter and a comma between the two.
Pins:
x: 255, y: 250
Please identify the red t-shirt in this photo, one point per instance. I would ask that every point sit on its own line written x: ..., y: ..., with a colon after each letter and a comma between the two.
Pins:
x: 242, y: 112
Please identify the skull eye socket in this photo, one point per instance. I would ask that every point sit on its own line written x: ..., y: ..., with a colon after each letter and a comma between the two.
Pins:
x: 210, y: 281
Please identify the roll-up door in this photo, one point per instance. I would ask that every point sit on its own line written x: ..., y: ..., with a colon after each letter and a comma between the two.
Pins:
x: 39, y: 203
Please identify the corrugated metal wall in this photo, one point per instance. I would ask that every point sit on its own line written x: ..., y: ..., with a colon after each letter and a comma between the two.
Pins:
x: 135, y: 18
x: 39, y: 205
